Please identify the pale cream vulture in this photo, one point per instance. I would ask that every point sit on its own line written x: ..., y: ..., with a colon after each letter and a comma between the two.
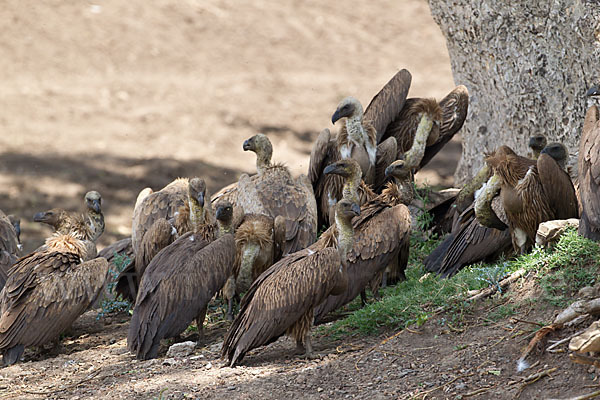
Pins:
x: 282, y: 299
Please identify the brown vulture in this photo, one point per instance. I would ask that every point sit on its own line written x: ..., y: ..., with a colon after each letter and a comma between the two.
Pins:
x: 89, y: 225
x: 588, y: 165
x: 259, y: 241
x: 178, y: 284
x: 533, y: 191
x: 9, y: 245
x: 283, y: 298
x: 537, y: 144
x: 273, y: 192
x: 381, y: 233
x: 45, y: 292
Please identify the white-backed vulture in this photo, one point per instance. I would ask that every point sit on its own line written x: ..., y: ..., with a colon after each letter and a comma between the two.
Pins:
x: 273, y: 192
x: 381, y: 233
x: 589, y: 172
x: 178, y: 284
x: 283, y: 298
x: 89, y: 226
x: 533, y: 192
x: 9, y: 245
x: 259, y: 241
x: 45, y: 292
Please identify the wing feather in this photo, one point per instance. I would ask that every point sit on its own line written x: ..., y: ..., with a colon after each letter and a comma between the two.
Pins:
x: 589, y: 174
x: 558, y: 188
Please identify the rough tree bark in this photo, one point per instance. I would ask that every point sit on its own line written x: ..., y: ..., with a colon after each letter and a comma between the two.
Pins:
x: 527, y: 65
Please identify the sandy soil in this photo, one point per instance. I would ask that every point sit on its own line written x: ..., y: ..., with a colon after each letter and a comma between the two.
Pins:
x: 120, y: 95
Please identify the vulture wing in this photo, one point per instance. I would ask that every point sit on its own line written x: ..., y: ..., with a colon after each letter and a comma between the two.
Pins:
x: 386, y: 105
x: 156, y: 238
x: 454, y: 112
x: 589, y: 175
x: 176, y: 288
x: 558, y: 188
x: 8, y: 247
x: 279, y: 297
x: 386, y: 154
x: 44, y: 295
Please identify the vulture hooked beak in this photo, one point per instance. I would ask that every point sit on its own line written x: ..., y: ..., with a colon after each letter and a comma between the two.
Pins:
x: 594, y: 91
x: 200, y: 199
x: 389, y: 171
x: 248, y: 145
x: 336, y: 115
x: 333, y: 169
x: 40, y: 217
x: 96, y: 205
x: 219, y: 213
x: 356, y: 209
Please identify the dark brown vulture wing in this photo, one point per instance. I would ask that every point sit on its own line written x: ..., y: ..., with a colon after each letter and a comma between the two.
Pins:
x: 156, y: 238
x: 8, y: 247
x: 176, y: 288
x: 386, y: 154
x: 43, y: 296
x: 558, y: 188
x: 454, y: 112
x: 386, y: 105
x: 589, y: 175
x: 279, y: 297
x: 379, y: 234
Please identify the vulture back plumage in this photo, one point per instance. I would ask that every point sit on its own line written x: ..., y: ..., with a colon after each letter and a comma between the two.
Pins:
x: 589, y: 175
x: 44, y: 294
x: 176, y: 288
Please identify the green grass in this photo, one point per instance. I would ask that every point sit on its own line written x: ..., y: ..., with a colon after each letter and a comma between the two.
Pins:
x: 561, y: 271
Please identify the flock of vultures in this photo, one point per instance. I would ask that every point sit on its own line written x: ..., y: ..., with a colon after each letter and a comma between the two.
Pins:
x: 255, y: 241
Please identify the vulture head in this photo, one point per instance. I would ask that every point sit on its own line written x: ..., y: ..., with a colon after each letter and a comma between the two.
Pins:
x: 349, y: 107
x: 261, y: 145
x: 398, y: 170
x: 224, y: 215
x: 558, y: 152
x: 197, y: 191
x: 54, y: 217
x: 594, y: 91
x: 93, y: 201
x: 537, y: 144
x: 347, y: 168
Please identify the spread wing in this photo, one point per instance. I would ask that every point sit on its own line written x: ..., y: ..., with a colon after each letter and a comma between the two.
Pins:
x: 44, y: 295
x: 385, y: 107
x: 176, y: 288
x: 558, y: 188
x: 589, y: 171
x: 454, y: 112
x: 160, y: 205
x: 279, y: 297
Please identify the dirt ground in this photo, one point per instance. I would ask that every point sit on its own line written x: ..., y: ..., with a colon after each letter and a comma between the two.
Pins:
x: 120, y: 95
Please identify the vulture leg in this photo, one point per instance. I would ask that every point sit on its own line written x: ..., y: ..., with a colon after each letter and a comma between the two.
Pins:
x: 229, y: 294
x: 363, y: 298
x: 309, y: 354
x: 200, y: 324
x: 13, y: 354
x: 384, y: 279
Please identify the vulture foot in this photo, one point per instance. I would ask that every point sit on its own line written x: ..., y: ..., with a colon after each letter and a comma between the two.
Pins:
x: 12, y: 355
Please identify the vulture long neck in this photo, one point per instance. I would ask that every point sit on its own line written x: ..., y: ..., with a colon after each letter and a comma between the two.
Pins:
x: 415, y: 154
x: 225, y: 227
x: 263, y: 160
x: 483, y: 201
x: 345, y: 237
x: 473, y: 185
x: 200, y: 216
x: 95, y: 223
x: 350, y: 189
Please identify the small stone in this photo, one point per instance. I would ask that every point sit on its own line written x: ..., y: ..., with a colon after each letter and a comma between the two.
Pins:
x: 181, y: 349
x: 208, y: 365
x: 231, y: 388
x: 319, y: 389
x: 193, y: 358
x: 169, y: 361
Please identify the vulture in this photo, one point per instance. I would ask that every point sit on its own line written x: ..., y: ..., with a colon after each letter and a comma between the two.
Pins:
x: 259, y: 241
x: 588, y: 165
x: 381, y: 236
x: 537, y: 144
x: 283, y: 298
x: 163, y: 216
x: 45, y: 293
x: 273, y: 192
x: 89, y: 225
x: 533, y: 191
x: 9, y: 245
x: 178, y: 284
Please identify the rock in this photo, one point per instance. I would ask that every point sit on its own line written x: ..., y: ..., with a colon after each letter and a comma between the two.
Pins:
x: 169, y: 361
x: 180, y: 350
x: 588, y: 340
x: 523, y: 81
x: 551, y: 231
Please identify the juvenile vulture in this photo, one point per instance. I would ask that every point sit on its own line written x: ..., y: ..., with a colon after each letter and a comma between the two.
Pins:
x: 178, y: 284
x: 533, y: 192
x: 273, y: 192
x: 381, y: 236
x: 589, y: 172
x: 259, y: 241
x: 9, y: 245
x: 45, y: 292
x: 282, y: 299
x: 89, y: 225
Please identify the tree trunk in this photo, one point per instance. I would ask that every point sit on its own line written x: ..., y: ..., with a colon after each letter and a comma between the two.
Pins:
x: 527, y: 65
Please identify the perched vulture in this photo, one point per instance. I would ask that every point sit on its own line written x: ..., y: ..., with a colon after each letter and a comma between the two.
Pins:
x: 45, y: 292
x: 259, y: 241
x: 157, y: 222
x: 178, y: 284
x: 283, y: 298
x: 89, y: 226
x: 533, y: 191
x: 537, y: 144
x: 381, y: 237
x: 9, y: 245
x: 589, y: 172
x: 273, y: 192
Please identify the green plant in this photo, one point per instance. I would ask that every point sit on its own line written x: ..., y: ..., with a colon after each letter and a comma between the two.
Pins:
x: 117, y: 304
